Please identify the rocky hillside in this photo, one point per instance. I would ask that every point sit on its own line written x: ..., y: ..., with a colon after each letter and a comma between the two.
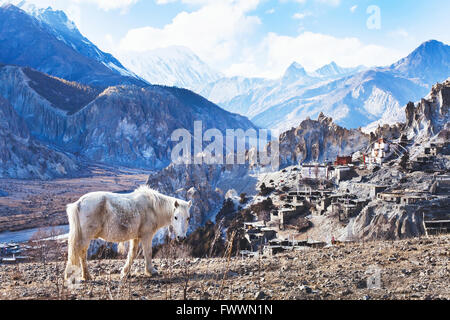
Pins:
x: 135, y: 131
x: 389, y: 221
x: 426, y: 122
x: 313, y: 141
x: 319, y: 140
x: 24, y: 157
x: 73, y: 97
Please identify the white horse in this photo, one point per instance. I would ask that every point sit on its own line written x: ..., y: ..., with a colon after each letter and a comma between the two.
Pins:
x: 113, y: 217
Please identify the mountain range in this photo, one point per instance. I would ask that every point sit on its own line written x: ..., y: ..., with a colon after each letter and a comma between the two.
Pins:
x: 70, y: 105
x: 60, y: 84
x: 354, y: 97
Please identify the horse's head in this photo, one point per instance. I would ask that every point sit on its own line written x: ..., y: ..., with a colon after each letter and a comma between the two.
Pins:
x: 180, y: 219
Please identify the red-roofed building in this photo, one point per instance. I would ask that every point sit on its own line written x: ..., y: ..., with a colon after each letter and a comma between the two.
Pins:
x: 343, y: 161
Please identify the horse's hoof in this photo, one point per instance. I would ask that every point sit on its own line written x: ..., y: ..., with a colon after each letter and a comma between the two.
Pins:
x: 151, y: 274
x: 124, y: 276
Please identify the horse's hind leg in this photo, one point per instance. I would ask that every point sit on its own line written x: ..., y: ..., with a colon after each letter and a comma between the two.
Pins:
x: 83, y: 261
x: 73, y: 261
x: 132, y: 252
x: 147, y: 246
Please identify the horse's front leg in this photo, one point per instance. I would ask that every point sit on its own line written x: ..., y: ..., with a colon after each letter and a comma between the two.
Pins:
x: 132, y: 252
x: 147, y: 246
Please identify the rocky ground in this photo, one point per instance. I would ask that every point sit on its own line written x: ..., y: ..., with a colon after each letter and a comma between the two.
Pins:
x: 406, y: 269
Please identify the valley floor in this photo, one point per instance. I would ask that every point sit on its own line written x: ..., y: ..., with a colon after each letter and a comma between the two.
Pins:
x: 34, y: 203
x: 408, y: 269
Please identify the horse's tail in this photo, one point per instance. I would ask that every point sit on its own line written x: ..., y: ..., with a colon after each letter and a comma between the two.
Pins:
x: 75, y: 234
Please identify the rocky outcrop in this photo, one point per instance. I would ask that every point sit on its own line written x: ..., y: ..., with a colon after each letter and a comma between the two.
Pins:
x: 380, y: 220
x: 21, y: 156
x: 430, y: 116
x: 426, y: 121
x: 319, y: 140
x: 389, y: 132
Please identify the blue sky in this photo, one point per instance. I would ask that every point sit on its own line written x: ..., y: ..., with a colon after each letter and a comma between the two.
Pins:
x: 262, y: 37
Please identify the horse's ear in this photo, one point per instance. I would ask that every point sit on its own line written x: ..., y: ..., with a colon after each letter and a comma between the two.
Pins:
x: 190, y: 203
x: 177, y: 204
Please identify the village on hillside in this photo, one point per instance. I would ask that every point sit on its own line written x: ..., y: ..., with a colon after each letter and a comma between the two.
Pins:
x: 316, y: 204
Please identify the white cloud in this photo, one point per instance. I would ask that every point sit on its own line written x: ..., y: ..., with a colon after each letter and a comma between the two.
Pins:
x: 301, y: 15
x: 241, y: 3
x: 109, y: 4
x: 330, y: 2
x: 226, y: 35
x: 327, y: 2
x: 400, y: 33
x: 222, y: 33
x: 215, y: 31
x: 402, y: 36
x: 353, y: 9
x: 312, y: 50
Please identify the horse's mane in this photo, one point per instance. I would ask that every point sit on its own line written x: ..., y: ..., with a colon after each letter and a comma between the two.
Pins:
x: 146, y: 189
x: 157, y: 199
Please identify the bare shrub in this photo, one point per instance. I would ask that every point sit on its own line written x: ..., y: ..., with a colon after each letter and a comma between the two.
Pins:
x: 45, y: 245
x: 263, y: 209
x: 265, y: 191
x: 228, y: 253
x: 206, y: 241
x: 173, y: 250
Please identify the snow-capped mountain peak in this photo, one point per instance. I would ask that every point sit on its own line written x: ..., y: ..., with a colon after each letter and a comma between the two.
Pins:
x: 57, y: 19
x: 430, y: 63
x: 295, y: 71
x: 331, y: 69
x: 57, y: 32
x: 172, y: 66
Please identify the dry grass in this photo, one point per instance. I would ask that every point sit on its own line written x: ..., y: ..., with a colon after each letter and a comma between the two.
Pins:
x: 410, y: 269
